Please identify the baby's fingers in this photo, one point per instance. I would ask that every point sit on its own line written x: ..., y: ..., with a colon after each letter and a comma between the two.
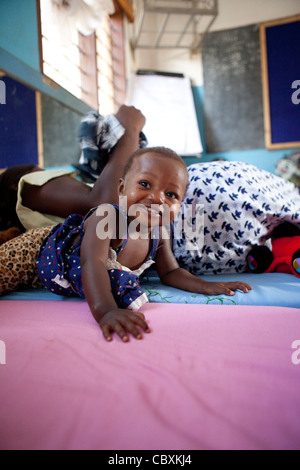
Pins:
x: 226, y: 290
x: 106, y: 330
x: 229, y: 288
x: 134, y: 322
x: 117, y: 328
x: 243, y: 286
x: 127, y: 323
x: 113, y: 325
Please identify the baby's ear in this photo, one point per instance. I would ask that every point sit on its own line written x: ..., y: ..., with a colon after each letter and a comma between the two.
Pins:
x: 121, y: 186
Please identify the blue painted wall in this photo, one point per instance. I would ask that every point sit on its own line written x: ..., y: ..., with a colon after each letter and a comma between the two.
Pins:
x: 262, y: 158
x: 19, y: 50
x: 18, y: 30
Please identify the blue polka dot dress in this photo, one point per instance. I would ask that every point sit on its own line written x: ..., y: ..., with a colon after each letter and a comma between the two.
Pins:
x: 59, y: 266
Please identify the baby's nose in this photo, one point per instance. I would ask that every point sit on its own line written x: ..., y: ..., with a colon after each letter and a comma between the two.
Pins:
x: 158, y: 197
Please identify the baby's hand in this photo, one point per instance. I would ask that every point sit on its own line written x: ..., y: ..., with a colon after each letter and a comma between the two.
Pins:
x: 131, y: 118
x: 122, y: 322
x: 227, y: 288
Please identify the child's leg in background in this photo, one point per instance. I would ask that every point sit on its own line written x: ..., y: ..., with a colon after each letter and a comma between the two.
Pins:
x: 18, y: 260
x: 64, y: 195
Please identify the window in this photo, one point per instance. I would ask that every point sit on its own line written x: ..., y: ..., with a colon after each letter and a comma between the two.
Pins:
x: 91, y: 67
x: 105, y: 67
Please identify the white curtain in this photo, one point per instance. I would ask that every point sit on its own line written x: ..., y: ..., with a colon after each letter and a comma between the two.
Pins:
x: 168, y: 105
x: 69, y: 16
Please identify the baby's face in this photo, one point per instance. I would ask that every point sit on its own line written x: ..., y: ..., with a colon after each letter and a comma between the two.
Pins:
x: 155, y: 185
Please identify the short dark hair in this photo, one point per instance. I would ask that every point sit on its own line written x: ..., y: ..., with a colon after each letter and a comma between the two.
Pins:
x: 164, y: 151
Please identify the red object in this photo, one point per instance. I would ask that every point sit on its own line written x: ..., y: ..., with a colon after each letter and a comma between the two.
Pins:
x: 283, y: 250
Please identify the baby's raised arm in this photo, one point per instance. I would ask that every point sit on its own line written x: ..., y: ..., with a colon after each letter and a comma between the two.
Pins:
x: 97, y: 288
x: 171, y: 274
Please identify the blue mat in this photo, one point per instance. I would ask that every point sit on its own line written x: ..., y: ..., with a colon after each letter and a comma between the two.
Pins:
x: 274, y: 289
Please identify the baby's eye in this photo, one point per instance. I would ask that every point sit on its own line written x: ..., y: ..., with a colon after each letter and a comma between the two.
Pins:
x: 145, y: 184
x: 172, y: 195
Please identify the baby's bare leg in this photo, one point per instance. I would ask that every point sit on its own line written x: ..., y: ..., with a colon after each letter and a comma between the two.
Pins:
x: 64, y: 195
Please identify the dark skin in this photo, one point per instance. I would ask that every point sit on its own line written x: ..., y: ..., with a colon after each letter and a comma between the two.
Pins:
x: 64, y: 195
x: 152, y: 181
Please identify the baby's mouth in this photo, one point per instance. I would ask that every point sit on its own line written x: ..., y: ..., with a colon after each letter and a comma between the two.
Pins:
x: 155, y: 209
x: 148, y: 214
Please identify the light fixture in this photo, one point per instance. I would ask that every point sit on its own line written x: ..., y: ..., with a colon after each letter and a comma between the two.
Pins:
x: 171, y: 23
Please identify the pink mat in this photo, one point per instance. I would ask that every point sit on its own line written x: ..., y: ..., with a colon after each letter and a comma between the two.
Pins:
x: 207, y: 377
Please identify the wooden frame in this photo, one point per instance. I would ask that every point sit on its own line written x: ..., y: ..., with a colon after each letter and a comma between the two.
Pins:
x: 118, y: 58
x: 88, y: 67
x: 127, y: 7
x: 269, y: 137
x: 39, y: 129
x: 88, y: 57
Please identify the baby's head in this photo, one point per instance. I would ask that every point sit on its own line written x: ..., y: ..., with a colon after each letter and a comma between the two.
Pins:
x: 159, y: 151
x: 155, y: 178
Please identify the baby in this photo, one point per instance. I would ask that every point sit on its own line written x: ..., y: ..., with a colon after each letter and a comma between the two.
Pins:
x: 101, y: 256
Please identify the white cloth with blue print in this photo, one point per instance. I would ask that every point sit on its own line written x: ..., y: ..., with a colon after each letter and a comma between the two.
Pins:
x: 242, y: 205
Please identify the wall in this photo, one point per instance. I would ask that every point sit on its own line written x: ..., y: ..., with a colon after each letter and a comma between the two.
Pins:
x: 19, y: 50
x: 232, y: 14
x: 19, y: 59
x: 235, y: 13
x: 18, y: 32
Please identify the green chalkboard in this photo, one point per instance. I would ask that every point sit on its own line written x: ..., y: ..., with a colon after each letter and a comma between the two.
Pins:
x: 60, y: 126
x: 233, y: 104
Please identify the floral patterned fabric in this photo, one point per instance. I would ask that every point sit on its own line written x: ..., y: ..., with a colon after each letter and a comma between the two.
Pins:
x: 241, y: 206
